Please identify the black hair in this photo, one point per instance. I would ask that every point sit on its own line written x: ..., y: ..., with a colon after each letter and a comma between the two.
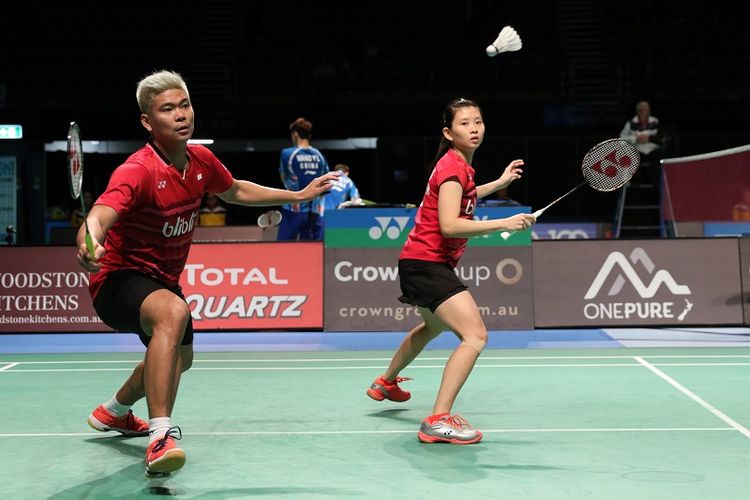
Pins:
x: 448, y: 114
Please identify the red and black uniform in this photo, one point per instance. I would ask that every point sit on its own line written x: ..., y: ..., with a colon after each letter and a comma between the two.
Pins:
x: 157, y: 207
x: 428, y: 258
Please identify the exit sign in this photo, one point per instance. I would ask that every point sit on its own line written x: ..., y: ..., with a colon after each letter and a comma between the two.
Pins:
x: 11, y: 131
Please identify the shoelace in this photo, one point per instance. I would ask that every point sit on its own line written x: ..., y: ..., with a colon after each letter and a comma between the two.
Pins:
x: 457, y: 422
x: 162, y: 442
x: 130, y: 422
x: 401, y: 379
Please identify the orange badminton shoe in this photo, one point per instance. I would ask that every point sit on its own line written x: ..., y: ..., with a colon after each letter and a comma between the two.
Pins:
x: 382, y: 389
x: 127, y: 425
x: 163, y: 456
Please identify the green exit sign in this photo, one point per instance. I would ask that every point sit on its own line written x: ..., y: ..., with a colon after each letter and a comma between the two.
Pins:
x: 11, y: 132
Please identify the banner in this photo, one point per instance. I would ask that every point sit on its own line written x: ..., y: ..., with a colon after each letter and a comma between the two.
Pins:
x: 628, y: 283
x: 389, y: 227
x: 706, y: 187
x: 237, y: 286
x: 362, y: 288
x: 43, y: 289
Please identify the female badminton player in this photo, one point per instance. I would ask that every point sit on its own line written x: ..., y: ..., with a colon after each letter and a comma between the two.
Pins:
x: 443, y: 223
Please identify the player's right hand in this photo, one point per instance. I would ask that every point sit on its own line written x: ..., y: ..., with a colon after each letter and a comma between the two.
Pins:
x: 86, y: 260
x: 519, y: 222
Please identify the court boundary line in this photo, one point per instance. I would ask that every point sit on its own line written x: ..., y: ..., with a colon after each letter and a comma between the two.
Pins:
x: 363, y: 367
x: 432, y: 358
x: 380, y: 431
x: 333, y: 368
x: 687, y: 392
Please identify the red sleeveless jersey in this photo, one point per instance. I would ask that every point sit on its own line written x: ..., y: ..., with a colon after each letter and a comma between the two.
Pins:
x: 425, y: 241
x: 157, y: 211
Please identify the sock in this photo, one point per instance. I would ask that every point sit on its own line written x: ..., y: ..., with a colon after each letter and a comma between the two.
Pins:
x: 116, y: 408
x: 157, y: 427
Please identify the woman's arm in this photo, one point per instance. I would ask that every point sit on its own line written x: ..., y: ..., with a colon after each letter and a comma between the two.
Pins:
x: 453, y: 226
x: 512, y: 172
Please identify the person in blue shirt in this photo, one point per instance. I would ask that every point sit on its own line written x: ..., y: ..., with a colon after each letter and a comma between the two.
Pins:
x: 299, y: 165
x: 343, y: 190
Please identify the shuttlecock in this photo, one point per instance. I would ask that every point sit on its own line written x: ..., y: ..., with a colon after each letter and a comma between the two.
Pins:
x: 507, y: 41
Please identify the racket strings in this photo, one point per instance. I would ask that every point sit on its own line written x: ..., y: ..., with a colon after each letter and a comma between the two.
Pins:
x: 610, y: 165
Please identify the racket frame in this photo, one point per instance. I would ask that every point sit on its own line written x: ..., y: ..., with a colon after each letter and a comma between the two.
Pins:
x: 76, y: 179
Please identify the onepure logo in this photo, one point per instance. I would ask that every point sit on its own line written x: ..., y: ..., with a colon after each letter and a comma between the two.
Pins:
x: 384, y: 226
x: 627, y: 272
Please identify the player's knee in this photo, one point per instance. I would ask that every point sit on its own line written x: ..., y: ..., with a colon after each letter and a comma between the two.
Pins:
x: 476, y: 341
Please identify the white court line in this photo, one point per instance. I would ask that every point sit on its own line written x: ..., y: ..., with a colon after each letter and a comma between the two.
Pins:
x: 8, y: 367
x: 333, y: 368
x: 396, y: 431
x: 693, y: 396
x: 440, y: 358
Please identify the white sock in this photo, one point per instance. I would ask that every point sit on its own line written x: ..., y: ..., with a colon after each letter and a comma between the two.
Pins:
x: 157, y: 427
x: 116, y: 408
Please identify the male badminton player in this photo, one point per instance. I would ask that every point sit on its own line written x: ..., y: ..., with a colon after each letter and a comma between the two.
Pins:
x: 443, y: 223
x: 142, y: 227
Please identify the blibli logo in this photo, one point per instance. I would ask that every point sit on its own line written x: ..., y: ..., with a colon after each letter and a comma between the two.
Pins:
x: 181, y: 226
x: 391, y: 229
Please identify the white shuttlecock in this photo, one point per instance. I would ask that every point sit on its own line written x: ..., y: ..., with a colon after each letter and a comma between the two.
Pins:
x: 507, y: 41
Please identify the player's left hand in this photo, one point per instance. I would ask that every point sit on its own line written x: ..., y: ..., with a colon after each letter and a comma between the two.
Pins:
x: 320, y: 185
x: 512, y: 172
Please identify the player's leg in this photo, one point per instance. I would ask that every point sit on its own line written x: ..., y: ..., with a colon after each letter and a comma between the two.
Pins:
x: 118, y: 304
x: 461, y: 314
x: 164, y: 318
x: 291, y: 225
x: 386, y: 386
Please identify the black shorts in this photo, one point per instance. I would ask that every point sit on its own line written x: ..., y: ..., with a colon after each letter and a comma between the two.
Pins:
x: 427, y: 284
x: 119, y: 300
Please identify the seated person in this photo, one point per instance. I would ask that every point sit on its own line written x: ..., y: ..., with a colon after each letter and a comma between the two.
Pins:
x: 344, y: 191
x: 213, y: 212
x: 643, y: 131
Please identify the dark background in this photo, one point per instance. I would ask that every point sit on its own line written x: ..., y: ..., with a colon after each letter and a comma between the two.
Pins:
x: 379, y: 69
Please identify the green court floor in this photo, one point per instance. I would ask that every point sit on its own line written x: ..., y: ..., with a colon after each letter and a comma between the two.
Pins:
x: 665, y: 423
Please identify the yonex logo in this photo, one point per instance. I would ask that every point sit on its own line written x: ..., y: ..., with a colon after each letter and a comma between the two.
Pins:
x: 645, y: 291
x: 161, y: 184
x: 391, y: 229
x: 610, y: 170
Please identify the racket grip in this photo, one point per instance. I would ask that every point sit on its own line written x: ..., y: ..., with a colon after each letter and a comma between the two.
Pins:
x: 507, y: 234
x: 90, y: 245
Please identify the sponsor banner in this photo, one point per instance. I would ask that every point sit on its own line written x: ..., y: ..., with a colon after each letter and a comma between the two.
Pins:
x: 565, y: 231
x: 236, y: 286
x: 362, y: 288
x: 389, y: 227
x: 627, y: 283
x: 43, y: 289
x: 745, y: 267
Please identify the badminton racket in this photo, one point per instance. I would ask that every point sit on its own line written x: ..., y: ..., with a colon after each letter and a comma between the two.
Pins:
x: 607, y: 166
x: 75, y: 176
x: 272, y: 218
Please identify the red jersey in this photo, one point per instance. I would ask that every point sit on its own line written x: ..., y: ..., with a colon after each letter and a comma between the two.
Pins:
x: 157, y: 211
x: 425, y: 241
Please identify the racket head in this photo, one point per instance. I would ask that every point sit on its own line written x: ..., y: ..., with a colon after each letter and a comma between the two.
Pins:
x: 272, y: 218
x: 610, y: 164
x: 75, y: 160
